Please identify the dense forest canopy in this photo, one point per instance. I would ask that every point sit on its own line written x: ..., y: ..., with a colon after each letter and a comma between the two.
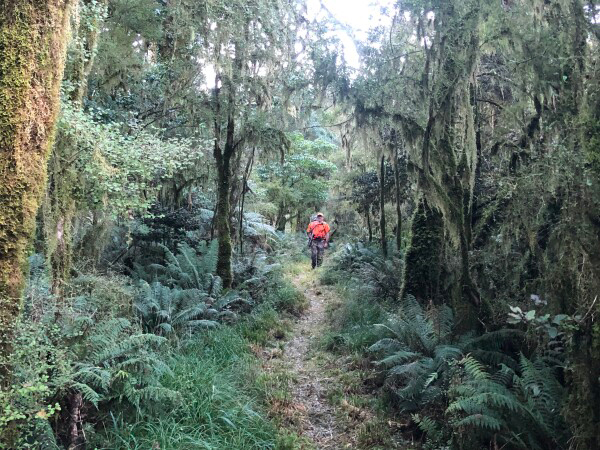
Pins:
x: 161, y: 159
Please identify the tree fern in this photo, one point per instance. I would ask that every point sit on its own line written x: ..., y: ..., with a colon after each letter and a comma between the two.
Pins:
x: 188, y: 269
x: 166, y: 311
x: 115, y: 361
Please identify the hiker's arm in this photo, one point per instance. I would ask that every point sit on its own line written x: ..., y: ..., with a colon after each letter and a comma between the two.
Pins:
x: 327, y: 239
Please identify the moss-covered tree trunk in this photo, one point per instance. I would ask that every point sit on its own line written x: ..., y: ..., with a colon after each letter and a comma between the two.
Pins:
x: 576, y: 277
x: 60, y: 205
x: 398, y: 200
x: 84, y: 46
x: 245, y: 189
x: 281, y: 221
x: 449, y: 162
x: 225, y: 157
x: 223, y: 210
x: 33, y: 36
x: 382, y: 223
x: 423, y: 259
x: 300, y: 224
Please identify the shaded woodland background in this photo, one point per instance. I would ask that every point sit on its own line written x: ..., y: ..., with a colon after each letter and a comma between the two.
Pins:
x: 158, y: 157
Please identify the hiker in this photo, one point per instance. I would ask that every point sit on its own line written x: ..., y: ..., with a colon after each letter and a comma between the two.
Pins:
x: 318, y: 239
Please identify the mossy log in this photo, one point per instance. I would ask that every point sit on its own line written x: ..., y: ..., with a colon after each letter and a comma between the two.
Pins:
x: 33, y: 35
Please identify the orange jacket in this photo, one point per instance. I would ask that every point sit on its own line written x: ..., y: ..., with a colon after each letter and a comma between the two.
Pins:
x: 318, y: 230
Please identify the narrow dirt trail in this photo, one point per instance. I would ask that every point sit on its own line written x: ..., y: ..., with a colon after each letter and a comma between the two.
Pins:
x: 309, y: 409
x: 318, y: 420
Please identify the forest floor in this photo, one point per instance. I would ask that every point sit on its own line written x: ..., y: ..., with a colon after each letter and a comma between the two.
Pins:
x: 325, y: 400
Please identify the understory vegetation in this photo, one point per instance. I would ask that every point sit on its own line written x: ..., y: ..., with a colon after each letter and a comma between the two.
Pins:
x: 450, y: 388
x: 161, y: 159
x: 127, y: 363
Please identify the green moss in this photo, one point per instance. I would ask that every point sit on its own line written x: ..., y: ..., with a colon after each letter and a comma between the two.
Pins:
x: 582, y: 408
x: 591, y: 131
x: 32, y: 46
x: 58, y: 210
x: 423, y: 260
x: 223, y: 228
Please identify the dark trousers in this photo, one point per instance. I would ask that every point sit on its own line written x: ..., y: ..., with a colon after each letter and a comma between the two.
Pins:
x: 317, y: 248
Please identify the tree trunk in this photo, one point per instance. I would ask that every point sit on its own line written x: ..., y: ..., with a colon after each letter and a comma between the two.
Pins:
x: 423, y: 258
x: 224, y: 157
x: 346, y: 147
x: 75, y: 422
x: 83, y: 48
x: 382, y: 207
x: 299, y: 223
x: 60, y: 262
x: 281, y: 219
x: 223, y: 208
x: 33, y: 38
x: 398, y: 201
x: 243, y: 199
x: 60, y: 205
x: 235, y: 192
x: 222, y: 225
x: 447, y: 173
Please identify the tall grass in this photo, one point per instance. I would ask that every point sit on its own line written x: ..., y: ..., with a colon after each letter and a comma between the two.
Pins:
x: 368, y: 284
x: 352, y: 322
x: 220, y: 408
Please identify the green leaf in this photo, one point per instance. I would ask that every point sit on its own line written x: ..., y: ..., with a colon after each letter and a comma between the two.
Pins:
x: 559, y: 318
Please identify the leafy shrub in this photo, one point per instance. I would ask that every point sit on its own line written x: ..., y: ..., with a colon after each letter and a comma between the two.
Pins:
x: 42, y: 369
x: 114, y: 361
x: 81, y: 355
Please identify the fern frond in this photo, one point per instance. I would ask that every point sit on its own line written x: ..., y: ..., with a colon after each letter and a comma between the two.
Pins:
x: 447, y: 352
x: 396, y: 359
x: 427, y: 425
x: 474, y: 368
x: 387, y: 345
x: 481, y: 421
x: 89, y: 394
